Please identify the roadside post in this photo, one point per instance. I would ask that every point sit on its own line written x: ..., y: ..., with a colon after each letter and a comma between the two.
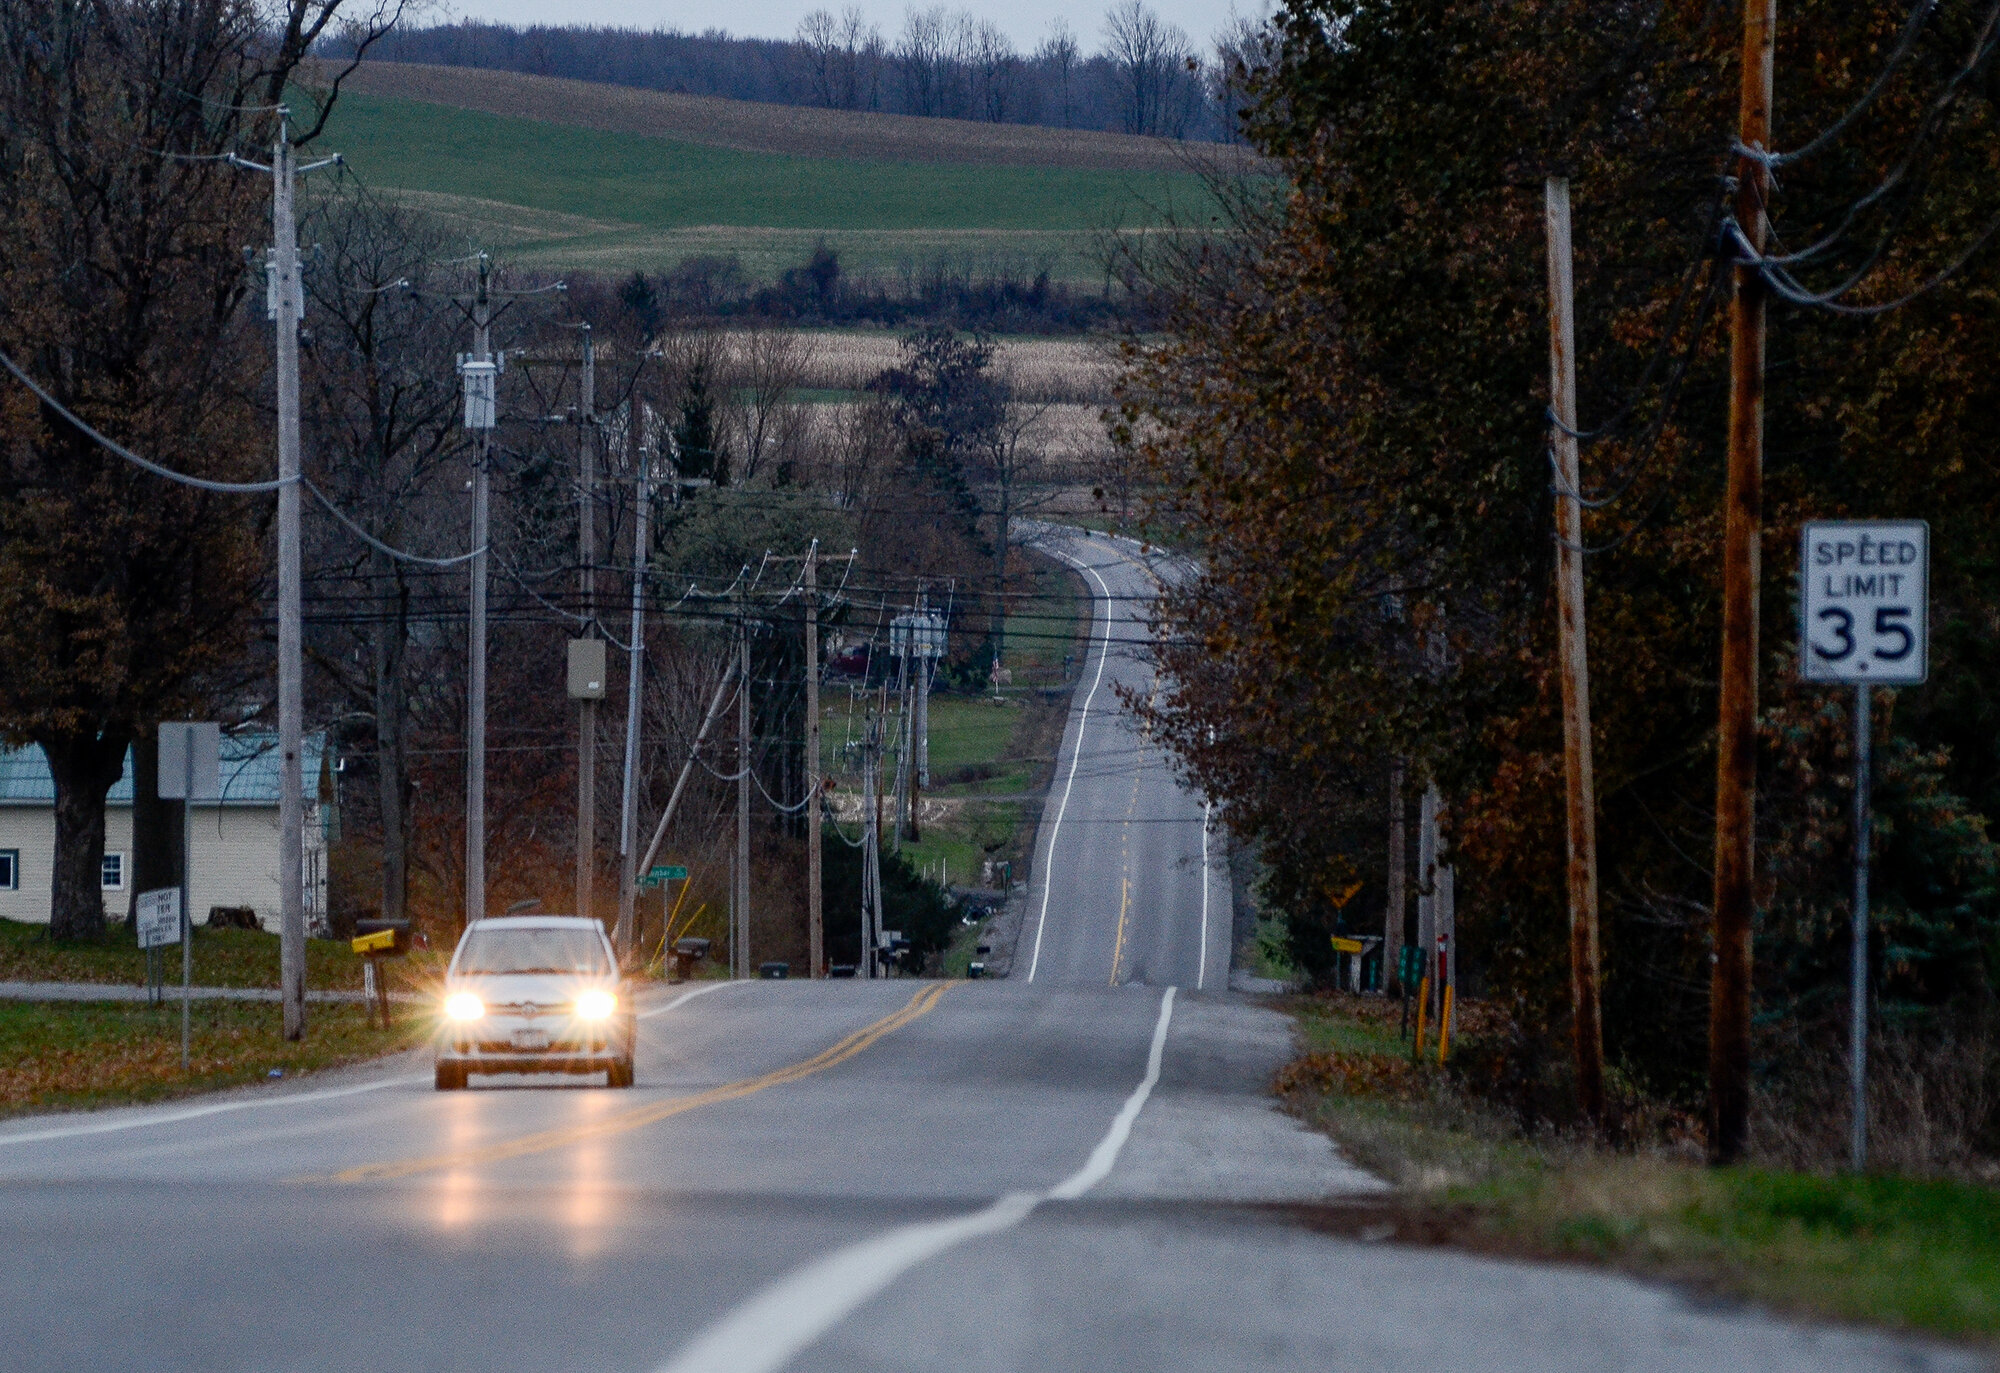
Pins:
x: 658, y: 875
x: 1864, y: 620
x: 1409, y: 972
x: 377, y: 941
x: 190, y: 771
x: 159, y: 920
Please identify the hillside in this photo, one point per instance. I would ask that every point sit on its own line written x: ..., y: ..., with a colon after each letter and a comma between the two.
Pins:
x: 760, y: 183
x: 751, y: 126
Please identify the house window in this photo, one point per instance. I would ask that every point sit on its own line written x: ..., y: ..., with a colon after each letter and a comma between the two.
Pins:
x: 114, y: 872
x: 10, y: 869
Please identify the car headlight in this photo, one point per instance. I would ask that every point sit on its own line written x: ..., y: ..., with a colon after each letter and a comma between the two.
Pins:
x: 596, y: 1004
x: 464, y: 1006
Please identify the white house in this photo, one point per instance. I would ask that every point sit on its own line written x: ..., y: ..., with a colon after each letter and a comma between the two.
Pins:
x: 235, y: 841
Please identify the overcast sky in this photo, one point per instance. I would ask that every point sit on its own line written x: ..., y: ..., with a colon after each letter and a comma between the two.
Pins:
x: 1025, y: 21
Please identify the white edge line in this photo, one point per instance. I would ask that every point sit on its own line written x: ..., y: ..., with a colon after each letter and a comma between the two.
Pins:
x: 175, y: 1116
x: 1201, y: 972
x: 686, y: 997
x: 1075, y: 757
x: 778, y: 1324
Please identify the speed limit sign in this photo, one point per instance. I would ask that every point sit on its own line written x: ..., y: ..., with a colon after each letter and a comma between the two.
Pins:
x: 1864, y: 603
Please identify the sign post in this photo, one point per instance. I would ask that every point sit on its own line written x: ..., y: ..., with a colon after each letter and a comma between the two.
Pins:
x: 190, y: 771
x: 159, y: 921
x: 1864, y: 620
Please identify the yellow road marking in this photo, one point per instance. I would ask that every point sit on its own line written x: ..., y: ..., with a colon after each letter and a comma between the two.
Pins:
x: 1125, y: 881
x: 545, y: 1140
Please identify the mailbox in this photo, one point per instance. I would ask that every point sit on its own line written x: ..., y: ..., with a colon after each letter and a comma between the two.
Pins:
x: 687, y: 953
x: 774, y: 971
x: 381, y: 938
x: 376, y: 940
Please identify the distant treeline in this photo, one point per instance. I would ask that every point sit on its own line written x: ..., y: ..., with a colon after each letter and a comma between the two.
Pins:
x: 1150, y: 78
x: 994, y: 299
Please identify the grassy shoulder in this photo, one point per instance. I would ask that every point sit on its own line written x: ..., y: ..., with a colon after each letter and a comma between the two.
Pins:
x: 1921, y: 1254
x: 222, y: 958
x: 81, y: 1055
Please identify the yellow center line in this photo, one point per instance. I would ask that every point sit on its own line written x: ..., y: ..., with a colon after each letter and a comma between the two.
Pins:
x: 544, y: 1140
x: 1125, y: 881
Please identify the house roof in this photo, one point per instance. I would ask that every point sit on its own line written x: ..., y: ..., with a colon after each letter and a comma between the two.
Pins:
x: 249, y: 772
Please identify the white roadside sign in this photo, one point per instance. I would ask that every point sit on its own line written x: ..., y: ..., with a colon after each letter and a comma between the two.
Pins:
x: 1864, y: 602
x: 159, y: 917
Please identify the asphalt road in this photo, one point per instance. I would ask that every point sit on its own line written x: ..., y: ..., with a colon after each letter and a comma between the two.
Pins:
x: 1073, y: 1172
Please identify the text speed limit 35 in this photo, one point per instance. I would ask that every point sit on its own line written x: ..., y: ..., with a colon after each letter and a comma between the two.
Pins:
x: 1864, y: 607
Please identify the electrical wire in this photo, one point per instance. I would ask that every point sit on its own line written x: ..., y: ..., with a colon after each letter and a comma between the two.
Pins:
x: 119, y: 450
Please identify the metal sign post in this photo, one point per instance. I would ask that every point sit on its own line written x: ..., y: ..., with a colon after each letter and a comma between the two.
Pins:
x: 1864, y: 619
x: 190, y: 771
x: 159, y: 921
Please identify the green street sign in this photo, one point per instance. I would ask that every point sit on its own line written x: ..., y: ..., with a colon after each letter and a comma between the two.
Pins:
x: 660, y: 876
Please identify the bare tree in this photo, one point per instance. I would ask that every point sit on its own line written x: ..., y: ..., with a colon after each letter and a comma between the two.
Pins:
x: 384, y: 418
x: 1150, y: 58
x: 923, y: 55
x: 996, y: 71
x: 767, y: 368
x: 1060, y: 58
x: 1242, y: 47
x: 820, y: 51
x: 861, y: 56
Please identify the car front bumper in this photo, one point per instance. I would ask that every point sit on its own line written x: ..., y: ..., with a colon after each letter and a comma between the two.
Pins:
x: 489, y: 1047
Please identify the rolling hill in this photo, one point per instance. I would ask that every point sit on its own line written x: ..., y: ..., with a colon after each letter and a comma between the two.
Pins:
x: 565, y: 174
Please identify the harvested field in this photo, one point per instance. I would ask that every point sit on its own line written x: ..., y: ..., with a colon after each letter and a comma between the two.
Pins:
x: 750, y: 126
x: 1072, y: 374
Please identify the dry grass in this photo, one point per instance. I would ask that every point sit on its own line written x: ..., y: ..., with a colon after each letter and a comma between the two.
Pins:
x: 1065, y: 373
x: 86, y: 1054
x: 1915, y: 1253
x: 752, y: 126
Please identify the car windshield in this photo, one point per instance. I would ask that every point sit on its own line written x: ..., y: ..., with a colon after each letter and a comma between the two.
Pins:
x: 532, y: 951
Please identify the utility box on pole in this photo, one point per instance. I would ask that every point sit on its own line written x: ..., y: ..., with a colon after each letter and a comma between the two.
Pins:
x: 481, y: 407
x: 586, y: 669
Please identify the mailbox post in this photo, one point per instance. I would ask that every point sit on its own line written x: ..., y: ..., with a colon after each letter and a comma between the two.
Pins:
x: 378, y: 941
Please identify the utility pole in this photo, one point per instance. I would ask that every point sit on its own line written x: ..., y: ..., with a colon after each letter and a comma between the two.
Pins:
x: 871, y: 849
x: 481, y: 372
x: 586, y: 726
x: 920, y: 724
x: 1574, y: 664
x: 291, y: 662
x: 635, y: 674
x: 741, y: 943
x: 1736, y: 730
x: 815, y: 921
x: 1392, y: 918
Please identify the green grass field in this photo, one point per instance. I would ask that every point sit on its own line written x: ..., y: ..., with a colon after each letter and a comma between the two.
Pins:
x: 559, y: 195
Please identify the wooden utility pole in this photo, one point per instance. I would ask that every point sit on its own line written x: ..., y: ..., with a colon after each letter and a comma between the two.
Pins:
x: 1392, y: 918
x: 1736, y: 732
x: 815, y: 918
x: 741, y: 941
x: 586, y: 725
x: 1574, y: 662
x: 475, y: 691
x: 625, y: 935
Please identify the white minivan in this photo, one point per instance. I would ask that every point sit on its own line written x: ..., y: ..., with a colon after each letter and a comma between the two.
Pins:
x: 535, y: 994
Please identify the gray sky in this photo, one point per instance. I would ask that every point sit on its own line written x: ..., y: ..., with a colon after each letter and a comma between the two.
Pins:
x: 1025, y: 21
